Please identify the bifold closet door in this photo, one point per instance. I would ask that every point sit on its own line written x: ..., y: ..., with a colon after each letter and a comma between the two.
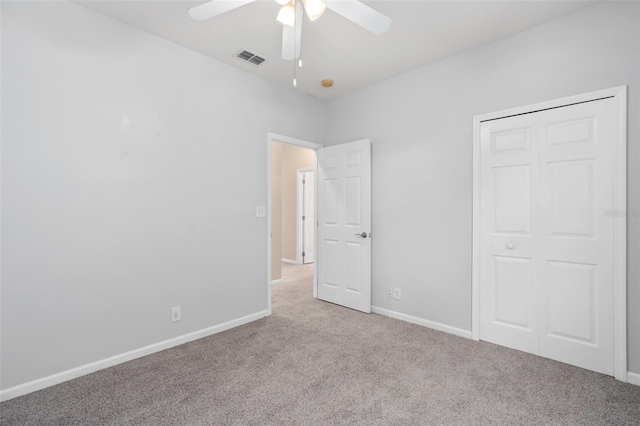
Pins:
x: 547, y: 247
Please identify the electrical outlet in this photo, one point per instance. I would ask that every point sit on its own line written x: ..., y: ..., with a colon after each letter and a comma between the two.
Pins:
x: 396, y: 293
x: 261, y: 211
x: 389, y: 291
x: 176, y: 315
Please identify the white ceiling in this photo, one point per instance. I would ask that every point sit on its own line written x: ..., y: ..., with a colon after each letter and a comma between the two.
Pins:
x: 422, y: 32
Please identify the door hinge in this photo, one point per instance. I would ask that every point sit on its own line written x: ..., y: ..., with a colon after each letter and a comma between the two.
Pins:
x: 302, y: 217
x: 304, y: 181
x: 303, y: 254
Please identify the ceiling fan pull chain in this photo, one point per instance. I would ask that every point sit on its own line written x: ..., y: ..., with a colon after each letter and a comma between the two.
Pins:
x: 299, y: 4
x: 295, y: 83
x: 295, y: 24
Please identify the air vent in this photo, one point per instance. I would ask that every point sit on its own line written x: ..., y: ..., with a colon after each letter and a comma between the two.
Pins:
x: 252, y: 58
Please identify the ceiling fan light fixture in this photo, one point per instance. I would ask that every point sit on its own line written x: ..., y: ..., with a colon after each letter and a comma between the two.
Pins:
x: 287, y: 15
x: 314, y: 8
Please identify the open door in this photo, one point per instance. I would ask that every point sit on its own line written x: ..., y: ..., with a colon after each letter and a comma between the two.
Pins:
x: 344, y: 225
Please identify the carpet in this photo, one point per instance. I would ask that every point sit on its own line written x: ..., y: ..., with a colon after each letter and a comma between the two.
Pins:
x: 314, y: 363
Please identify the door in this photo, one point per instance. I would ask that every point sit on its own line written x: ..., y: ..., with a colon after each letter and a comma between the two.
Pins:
x: 308, y: 216
x: 344, y: 225
x: 509, y: 181
x: 547, y: 247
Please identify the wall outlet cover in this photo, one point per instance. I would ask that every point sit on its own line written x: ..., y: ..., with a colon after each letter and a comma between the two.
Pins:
x: 396, y: 293
x: 176, y: 315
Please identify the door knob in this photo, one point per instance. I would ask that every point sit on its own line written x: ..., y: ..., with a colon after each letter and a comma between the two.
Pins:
x: 510, y: 246
x: 363, y: 235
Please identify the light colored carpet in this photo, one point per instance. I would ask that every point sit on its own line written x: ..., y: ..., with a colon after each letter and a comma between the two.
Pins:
x: 316, y: 363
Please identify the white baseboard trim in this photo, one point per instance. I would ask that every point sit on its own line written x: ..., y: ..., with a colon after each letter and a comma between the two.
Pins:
x: 82, y: 370
x: 633, y: 378
x: 276, y: 282
x: 423, y: 322
x: 295, y: 262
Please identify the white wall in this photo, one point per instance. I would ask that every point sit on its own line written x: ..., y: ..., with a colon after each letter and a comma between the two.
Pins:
x: 131, y: 168
x: 420, y: 125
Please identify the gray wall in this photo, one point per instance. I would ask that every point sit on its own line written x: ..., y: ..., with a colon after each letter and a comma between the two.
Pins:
x: 420, y: 124
x: 131, y: 168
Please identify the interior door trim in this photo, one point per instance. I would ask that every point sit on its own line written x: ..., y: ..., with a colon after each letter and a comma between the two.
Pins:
x: 300, y: 213
x: 620, y: 204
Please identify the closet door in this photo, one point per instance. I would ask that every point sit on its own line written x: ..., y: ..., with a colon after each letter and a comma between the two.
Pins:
x: 547, y: 247
x: 576, y: 237
x: 509, y: 224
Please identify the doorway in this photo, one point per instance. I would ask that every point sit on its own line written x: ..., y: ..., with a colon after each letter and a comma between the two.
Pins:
x: 291, y: 164
x: 286, y: 155
x: 549, y: 264
x: 342, y: 213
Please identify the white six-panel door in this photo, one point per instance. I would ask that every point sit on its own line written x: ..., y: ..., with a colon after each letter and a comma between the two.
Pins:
x: 546, y: 245
x: 509, y: 180
x: 344, y: 225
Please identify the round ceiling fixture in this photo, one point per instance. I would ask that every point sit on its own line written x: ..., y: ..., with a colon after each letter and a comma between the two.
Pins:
x: 327, y: 83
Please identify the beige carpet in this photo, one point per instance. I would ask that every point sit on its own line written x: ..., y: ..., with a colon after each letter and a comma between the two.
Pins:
x: 316, y: 363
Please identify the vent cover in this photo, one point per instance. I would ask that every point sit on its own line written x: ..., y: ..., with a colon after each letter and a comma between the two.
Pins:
x: 252, y: 58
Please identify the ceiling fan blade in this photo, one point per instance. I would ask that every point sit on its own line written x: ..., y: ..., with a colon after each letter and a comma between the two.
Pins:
x: 292, y: 37
x: 361, y: 14
x: 215, y: 8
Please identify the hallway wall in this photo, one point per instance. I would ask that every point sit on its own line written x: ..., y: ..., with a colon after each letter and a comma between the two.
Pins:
x: 293, y: 158
x: 276, y: 210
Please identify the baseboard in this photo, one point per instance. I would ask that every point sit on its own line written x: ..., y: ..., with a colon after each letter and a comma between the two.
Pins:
x: 423, y: 322
x: 276, y: 282
x: 633, y: 378
x: 295, y: 262
x: 92, y: 367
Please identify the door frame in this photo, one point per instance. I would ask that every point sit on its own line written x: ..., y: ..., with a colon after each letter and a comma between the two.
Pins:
x: 274, y: 137
x: 620, y: 204
x: 299, y: 211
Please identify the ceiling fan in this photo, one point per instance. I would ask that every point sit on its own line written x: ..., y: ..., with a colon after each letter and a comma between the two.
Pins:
x: 291, y: 14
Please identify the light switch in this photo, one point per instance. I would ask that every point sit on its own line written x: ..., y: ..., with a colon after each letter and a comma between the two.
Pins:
x: 261, y: 211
